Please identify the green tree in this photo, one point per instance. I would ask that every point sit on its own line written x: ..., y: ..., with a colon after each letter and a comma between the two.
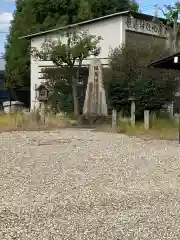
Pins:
x: 61, y: 99
x: 79, y: 46
x: 171, y: 15
x: 152, y: 88
x: 105, y: 7
x: 16, y: 54
x: 36, y: 15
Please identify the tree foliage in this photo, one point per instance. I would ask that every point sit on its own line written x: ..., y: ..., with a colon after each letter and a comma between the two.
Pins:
x: 152, y: 88
x: 71, y: 48
x: 171, y: 15
x: 105, y: 7
x: 171, y: 11
x: 32, y: 16
x: 61, y: 99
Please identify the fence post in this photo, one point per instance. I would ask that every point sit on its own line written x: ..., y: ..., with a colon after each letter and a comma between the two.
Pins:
x: 120, y: 115
x: 146, y: 119
x: 133, y: 114
x: 114, y: 118
x: 172, y: 110
x: 42, y: 112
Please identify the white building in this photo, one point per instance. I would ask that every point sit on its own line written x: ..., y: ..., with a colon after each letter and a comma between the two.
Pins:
x: 114, y: 29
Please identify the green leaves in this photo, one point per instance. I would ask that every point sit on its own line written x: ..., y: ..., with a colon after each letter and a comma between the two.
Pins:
x: 105, y: 7
x: 61, y: 98
x: 151, y: 87
x: 172, y: 12
x: 71, y: 47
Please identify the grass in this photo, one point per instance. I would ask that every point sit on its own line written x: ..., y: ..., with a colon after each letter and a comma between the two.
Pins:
x: 31, y: 121
x: 165, y: 128
x: 160, y: 128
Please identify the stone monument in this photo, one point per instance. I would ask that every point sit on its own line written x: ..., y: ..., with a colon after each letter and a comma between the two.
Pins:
x: 95, y: 104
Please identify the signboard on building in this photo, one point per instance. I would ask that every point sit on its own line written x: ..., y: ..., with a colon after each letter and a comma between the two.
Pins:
x: 140, y: 25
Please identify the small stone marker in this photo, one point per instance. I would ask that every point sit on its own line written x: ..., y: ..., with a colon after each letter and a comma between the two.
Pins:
x: 146, y: 119
x: 42, y: 112
x: 172, y: 110
x: 133, y: 115
x: 114, y: 117
x: 120, y: 114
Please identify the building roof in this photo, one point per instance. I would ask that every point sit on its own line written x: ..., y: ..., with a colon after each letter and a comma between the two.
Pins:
x: 134, y: 14
x: 167, y: 62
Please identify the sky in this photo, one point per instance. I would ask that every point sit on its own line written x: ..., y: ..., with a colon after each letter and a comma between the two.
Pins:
x: 8, y: 6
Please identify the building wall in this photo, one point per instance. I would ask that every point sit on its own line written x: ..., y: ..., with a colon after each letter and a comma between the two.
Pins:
x: 113, y: 32
x: 136, y: 38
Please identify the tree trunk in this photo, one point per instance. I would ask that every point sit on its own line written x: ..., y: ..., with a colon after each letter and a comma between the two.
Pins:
x: 75, y: 81
x: 75, y: 99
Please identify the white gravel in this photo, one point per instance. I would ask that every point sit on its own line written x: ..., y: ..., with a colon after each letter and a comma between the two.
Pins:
x: 79, y: 184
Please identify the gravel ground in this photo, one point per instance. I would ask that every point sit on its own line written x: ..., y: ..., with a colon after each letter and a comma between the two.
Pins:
x: 79, y: 184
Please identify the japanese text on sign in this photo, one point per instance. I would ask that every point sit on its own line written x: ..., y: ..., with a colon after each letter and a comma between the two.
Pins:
x: 142, y: 25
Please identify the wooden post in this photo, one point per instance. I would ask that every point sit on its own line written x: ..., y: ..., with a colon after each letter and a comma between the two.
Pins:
x: 42, y: 111
x: 172, y: 110
x: 146, y: 119
x: 114, y: 117
x: 133, y: 115
x: 10, y: 103
x: 120, y: 115
x: 179, y: 126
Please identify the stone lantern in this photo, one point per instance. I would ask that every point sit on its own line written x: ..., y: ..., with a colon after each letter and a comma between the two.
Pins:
x: 42, y: 94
